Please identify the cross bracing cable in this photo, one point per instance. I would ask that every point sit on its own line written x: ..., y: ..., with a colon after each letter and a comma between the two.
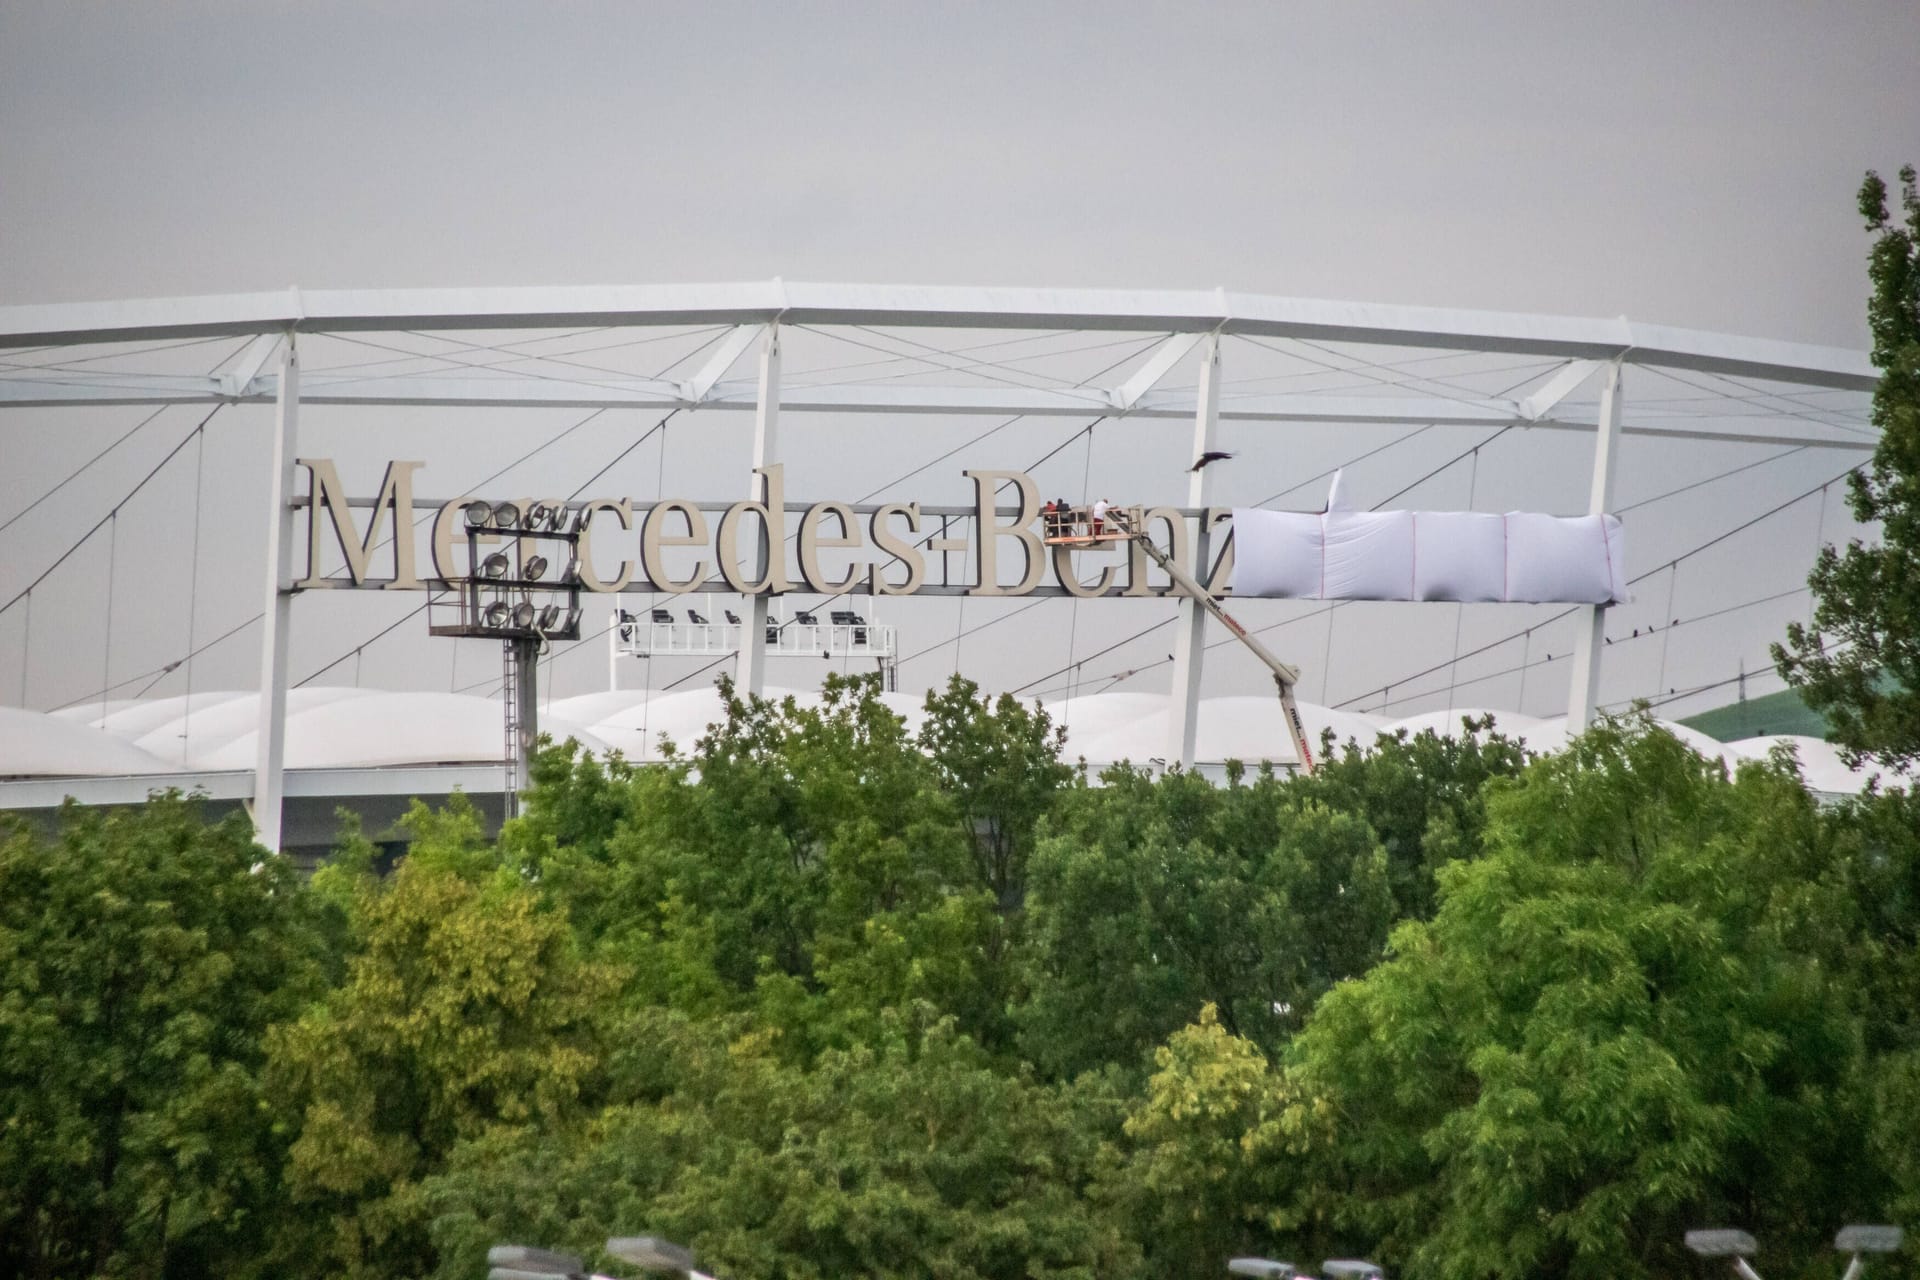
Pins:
x: 1694, y: 551
x: 124, y: 355
x: 76, y: 473
x: 1503, y: 640
x: 128, y: 497
x: 1640, y: 633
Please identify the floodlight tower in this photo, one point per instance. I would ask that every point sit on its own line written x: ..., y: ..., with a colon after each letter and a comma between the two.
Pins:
x: 508, y: 596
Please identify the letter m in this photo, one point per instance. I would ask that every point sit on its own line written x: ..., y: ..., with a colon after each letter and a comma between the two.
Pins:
x: 327, y: 504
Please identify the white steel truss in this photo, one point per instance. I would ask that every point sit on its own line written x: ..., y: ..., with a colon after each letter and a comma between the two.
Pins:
x: 1163, y: 330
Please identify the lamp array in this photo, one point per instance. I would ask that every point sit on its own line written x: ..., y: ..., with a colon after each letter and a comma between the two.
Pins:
x: 537, y: 517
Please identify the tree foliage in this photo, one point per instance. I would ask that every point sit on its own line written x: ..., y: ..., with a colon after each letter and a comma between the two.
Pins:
x: 143, y: 956
x: 463, y: 1008
x: 823, y: 996
x: 1630, y: 1017
x: 1859, y: 661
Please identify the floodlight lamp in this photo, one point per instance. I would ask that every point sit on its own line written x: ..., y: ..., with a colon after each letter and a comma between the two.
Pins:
x: 496, y: 565
x: 506, y: 515
x: 573, y: 619
x: 523, y: 615
x: 557, y: 518
x: 549, y: 616
x: 496, y: 614
x: 538, y: 514
x: 1356, y: 1267
x: 1868, y: 1239
x: 534, y: 567
x: 651, y: 1253
x: 1722, y: 1242
x: 572, y: 571
x: 540, y: 1262
x: 580, y: 519
x: 478, y: 514
x: 1264, y: 1267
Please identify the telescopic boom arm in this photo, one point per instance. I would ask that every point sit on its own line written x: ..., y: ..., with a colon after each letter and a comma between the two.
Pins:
x: 1284, y: 676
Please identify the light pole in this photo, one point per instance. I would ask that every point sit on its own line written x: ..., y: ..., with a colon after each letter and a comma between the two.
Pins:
x: 651, y: 1253
x: 1265, y: 1268
x: 1268, y: 1269
x: 1855, y: 1240
x: 519, y: 1262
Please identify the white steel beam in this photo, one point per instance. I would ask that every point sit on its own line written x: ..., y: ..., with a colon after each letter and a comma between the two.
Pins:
x: 752, y: 671
x: 1190, y: 630
x: 1165, y: 356
x: 959, y: 307
x: 238, y: 381
x: 731, y: 348
x: 1583, y: 693
x: 73, y: 390
x: 271, y: 757
x: 1557, y: 388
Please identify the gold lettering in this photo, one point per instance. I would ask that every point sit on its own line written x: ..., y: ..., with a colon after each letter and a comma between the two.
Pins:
x: 904, y: 552
x: 1067, y: 576
x: 811, y: 541
x: 1220, y: 583
x: 1138, y: 583
x: 588, y: 578
x: 325, y: 501
x: 985, y: 484
x: 653, y: 536
x: 771, y: 555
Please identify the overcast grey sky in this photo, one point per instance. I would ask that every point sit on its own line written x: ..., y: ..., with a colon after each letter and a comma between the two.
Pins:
x: 1689, y: 164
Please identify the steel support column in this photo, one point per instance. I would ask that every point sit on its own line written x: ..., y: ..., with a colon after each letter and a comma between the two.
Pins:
x: 1190, y: 630
x: 1583, y: 694
x: 277, y: 616
x: 752, y: 673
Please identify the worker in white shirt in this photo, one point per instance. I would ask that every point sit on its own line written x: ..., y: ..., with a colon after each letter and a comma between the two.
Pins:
x: 1099, y: 516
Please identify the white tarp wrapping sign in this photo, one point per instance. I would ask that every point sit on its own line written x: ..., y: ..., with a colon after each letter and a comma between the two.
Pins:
x: 1521, y: 557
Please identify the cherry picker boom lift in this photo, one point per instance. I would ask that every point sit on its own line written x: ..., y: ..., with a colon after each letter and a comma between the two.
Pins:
x: 1077, y: 527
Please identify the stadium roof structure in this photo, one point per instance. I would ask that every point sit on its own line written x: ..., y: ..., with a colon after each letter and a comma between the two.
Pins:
x: 1573, y: 409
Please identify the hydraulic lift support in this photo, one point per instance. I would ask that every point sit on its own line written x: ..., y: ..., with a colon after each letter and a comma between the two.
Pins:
x: 1063, y: 530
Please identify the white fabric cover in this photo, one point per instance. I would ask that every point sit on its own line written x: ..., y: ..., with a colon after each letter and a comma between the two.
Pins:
x: 1459, y: 555
x: 1366, y: 555
x: 1562, y: 560
x: 1276, y: 554
x: 1522, y: 557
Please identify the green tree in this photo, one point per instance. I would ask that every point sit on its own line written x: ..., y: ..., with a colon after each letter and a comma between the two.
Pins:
x: 1206, y: 1145
x: 464, y: 1008
x: 912, y: 1155
x: 1631, y: 1016
x: 1859, y: 661
x: 143, y: 954
x: 1160, y: 896
x: 804, y: 861
x: 1423, y: 796
x: 1000, y: 763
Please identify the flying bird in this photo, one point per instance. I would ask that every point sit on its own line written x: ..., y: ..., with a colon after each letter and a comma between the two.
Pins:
x: 1211, y: 455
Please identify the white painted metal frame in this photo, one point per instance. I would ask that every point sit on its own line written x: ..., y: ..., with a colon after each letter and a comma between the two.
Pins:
x: 1583, y: 692
x: 1189, y: 638
x: 967, y: 308
x: 755, y: 310
x: 752, y: 670
x: 277, y: 618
